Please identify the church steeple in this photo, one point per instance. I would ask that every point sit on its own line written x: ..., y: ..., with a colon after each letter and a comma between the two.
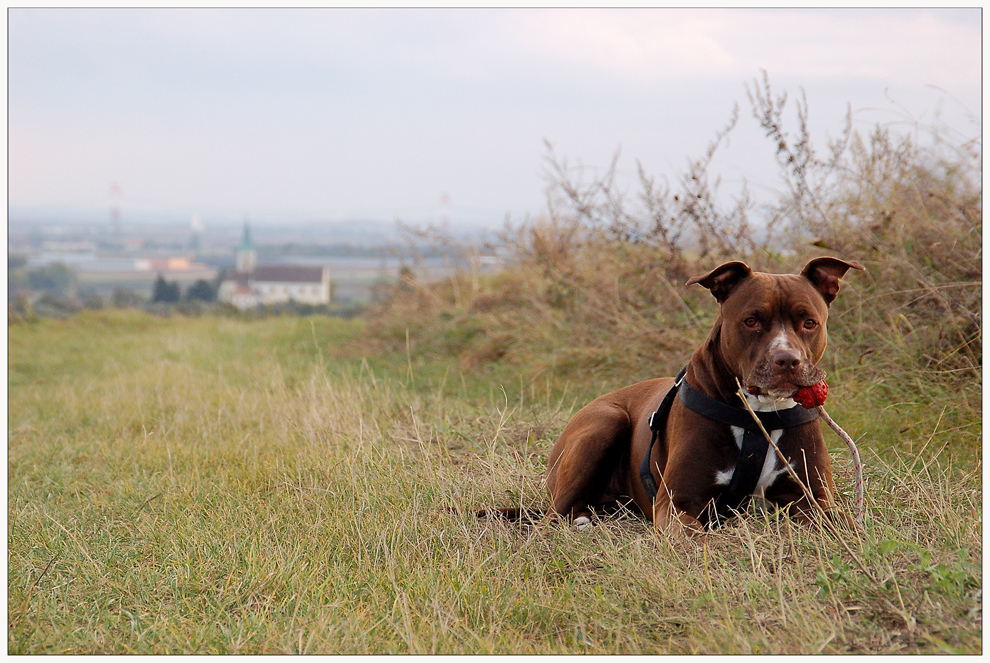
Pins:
x: 247, y: 257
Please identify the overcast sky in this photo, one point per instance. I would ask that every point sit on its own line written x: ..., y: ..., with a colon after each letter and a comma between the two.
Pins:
x: 343, y: 113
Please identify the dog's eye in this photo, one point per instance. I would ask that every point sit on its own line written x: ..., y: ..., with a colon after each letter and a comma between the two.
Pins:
x: 751, y: 322
x: 810, y: 324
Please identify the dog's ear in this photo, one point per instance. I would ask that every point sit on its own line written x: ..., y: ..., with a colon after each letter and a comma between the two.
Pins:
x: 825, y: 273
x: 723, y: 279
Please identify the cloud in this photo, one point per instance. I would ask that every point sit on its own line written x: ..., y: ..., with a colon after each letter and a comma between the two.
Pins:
x: 335, y: 108
x: 636, y: 45
x: 892, y: 46
x: 656, y: 45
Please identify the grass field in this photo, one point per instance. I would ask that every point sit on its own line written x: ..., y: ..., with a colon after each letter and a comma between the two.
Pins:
x: 210, y: 485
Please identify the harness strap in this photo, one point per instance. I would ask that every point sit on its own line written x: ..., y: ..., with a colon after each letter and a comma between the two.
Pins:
x: 754, y: 448
x: 740, y: 416
x: 746, y: 475
x: 658, y: 422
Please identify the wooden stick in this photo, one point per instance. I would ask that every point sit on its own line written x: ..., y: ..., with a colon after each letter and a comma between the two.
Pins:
x: 794, y: 475
x: 807, y: 491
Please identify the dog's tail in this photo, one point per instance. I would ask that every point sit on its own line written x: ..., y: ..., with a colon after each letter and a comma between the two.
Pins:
x: 512, y: 514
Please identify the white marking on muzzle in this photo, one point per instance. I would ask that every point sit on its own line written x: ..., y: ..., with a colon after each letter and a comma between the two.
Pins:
x: 780, y: 341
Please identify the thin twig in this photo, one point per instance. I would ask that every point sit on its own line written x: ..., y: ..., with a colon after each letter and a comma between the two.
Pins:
x: 787, y: 465
x: 807, y: 491
x: 38, y: 579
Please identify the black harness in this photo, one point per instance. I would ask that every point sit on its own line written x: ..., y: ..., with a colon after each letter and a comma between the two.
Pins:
x: 754, y: 445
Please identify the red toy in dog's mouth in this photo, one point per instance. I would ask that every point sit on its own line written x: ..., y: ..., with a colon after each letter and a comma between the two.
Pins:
x: 813, y: 396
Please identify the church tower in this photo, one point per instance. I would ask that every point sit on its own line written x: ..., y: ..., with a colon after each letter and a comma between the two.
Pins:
x: 247, y: 257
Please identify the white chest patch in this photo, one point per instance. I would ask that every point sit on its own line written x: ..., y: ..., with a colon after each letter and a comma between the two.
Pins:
x: 772, y: 469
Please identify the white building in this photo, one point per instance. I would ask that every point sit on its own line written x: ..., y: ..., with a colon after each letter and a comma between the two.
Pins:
x: 259, y: 285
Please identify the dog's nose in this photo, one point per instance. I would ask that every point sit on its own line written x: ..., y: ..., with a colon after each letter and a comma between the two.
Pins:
x: 786, y: 359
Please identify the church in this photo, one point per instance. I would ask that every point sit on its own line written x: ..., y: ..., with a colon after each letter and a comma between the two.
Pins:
x: 252, y: 285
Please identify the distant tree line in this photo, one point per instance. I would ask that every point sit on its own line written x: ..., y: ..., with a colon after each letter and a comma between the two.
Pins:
x: 169, y: 292
x: 53, y: 291
x: 56, y: 279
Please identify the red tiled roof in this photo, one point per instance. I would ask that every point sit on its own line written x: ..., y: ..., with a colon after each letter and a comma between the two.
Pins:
x: 240, y: 278
x: 279, y: 274
x: 287, y: 274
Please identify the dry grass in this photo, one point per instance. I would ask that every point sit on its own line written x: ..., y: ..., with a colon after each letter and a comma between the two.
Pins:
x: 207, y: 485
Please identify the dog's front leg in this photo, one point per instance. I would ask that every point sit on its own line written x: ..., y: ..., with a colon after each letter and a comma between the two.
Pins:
x: 806, y: 514
x: 801, y: 510
x: 676, y: 522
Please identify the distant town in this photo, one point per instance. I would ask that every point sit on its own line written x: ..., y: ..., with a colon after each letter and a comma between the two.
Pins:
x: 91, y: 261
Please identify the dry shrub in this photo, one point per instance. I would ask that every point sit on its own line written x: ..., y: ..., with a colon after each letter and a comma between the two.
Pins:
x: 912, y: 214
x: 595, y: 286
x: 916, y: 221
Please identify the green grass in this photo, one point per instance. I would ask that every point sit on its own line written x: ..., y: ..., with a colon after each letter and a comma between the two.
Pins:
x: 211, y: 485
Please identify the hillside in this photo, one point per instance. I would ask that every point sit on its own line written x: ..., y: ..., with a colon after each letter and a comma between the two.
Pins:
x: 212, y: 485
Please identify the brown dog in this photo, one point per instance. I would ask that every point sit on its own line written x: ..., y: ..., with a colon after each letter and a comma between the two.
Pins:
x: 706, y: 458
